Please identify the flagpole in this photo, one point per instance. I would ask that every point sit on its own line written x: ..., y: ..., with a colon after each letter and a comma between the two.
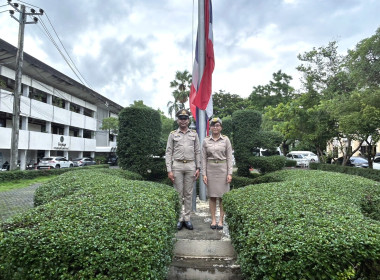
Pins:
x: 202, y: 114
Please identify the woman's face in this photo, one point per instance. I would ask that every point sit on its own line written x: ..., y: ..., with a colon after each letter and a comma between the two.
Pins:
x: 216, y: 128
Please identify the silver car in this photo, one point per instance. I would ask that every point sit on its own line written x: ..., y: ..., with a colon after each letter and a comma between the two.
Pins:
x: 83, y: 161
x: 300, y: 159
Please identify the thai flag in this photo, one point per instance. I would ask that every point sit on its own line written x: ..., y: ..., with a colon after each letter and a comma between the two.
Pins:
x: 200, y: 96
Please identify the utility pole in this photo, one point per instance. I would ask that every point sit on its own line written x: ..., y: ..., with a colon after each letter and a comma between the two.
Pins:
x: 18, y: 79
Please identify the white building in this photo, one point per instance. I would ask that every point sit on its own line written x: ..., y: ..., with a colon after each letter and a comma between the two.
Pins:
x: 58, y: 115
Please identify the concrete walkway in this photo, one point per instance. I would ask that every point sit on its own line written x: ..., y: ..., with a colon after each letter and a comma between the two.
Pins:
x: 16, y: 201
x: 204, y: 253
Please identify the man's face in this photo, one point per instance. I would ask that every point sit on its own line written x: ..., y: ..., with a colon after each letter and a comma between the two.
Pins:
x: 183, y: 121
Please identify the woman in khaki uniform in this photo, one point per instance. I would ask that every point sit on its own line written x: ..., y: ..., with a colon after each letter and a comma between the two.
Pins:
x: 216, y: 168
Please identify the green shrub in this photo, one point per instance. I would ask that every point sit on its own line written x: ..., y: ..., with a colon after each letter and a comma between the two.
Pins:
x: 372, y: 174
x: 71, y: 182
x: 308, y: 225
x: 246, y: 126
x: 139, y: 139
x: 290, y: 163
x: 239, y: 182
x: 268, y: 164
x: 31, y: 174
x: 227, y: 128
x: 110, y: 228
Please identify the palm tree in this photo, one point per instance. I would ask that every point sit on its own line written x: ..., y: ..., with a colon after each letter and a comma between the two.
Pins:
x: 181, y: 85
x: 173, y: 107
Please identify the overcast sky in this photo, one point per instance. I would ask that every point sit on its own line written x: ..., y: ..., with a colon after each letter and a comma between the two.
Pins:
x: 130, y: 50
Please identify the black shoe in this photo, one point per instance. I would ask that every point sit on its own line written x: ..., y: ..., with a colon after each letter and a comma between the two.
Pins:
x: 218, y: 227
x: 180, y: 225
x: 213, y: 226
x: 188, y: 225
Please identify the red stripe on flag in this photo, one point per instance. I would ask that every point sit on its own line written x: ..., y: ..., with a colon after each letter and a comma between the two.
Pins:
x: 205, y: 87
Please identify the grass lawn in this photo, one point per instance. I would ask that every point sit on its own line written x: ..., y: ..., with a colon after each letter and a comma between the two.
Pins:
x: 19, y: 184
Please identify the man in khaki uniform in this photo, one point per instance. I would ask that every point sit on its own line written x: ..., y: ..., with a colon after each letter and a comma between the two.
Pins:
x: 183, y: 163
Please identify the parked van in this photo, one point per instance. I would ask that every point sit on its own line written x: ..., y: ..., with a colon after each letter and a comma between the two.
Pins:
x: 306, y: 154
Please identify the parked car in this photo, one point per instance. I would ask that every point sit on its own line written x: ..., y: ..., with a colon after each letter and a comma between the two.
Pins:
x: 359, y: 162
x: 266, y: 153
x: 300, y: 159
x: 54, y: 162
x: 112, y: 160
x: 5, y: 166
x: 83, y: 161
x: 307, y: 154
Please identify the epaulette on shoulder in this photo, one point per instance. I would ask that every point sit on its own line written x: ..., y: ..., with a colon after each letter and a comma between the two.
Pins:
x: 224, y: 135
x: 194, y: 130
x: 208, y: 136
x: 173, y: 132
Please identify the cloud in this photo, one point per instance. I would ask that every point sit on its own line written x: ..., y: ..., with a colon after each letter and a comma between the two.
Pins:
x: 130, y: 50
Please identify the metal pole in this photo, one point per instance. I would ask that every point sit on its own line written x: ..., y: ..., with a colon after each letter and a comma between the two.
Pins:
x: 17, y: 91
x: 202, y: 113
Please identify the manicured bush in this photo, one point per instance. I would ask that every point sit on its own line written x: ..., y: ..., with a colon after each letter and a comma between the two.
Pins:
x: 239, y: 181
x: 268, y: 164
x: 290, y: 163
x: 372, y: 174
x: 311, y: 225
x: 8, y: 176
x: 246, y: 136
x: 71, y: 182
x: 110, y: 228
x: 227, y: 128
x: 139, y: 139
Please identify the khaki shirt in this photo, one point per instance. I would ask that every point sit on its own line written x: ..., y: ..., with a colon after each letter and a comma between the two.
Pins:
x: 182, y: 146
x: 220, y: 149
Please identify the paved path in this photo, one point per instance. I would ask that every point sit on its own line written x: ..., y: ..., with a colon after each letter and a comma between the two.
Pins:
x: 16, y: 201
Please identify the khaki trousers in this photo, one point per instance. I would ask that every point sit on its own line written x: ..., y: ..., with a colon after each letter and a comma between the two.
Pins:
x: 183, y: 183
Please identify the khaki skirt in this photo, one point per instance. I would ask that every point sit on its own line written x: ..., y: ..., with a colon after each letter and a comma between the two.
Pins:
x: 217, y: 179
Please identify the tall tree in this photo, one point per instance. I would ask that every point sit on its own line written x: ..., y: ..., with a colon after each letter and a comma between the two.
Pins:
x: 358, y: 118
x: 181, y: 85
x: 226, y: 103
x: 277, y: 91
x: 364, y: 62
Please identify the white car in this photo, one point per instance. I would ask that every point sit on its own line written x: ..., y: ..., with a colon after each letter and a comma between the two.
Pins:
x: 54, y: 162
x: 307, y: 154
x: 300, y: 159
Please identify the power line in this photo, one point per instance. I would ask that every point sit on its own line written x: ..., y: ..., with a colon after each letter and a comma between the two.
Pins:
x: 66, y: 51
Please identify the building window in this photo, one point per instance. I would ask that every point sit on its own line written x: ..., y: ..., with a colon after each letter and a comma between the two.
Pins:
x: 74, y: 108
x: 87, y: 134
x: 57, y: 129
x: 88, y: 112
x: 58, y: 102
x: 37, y: 94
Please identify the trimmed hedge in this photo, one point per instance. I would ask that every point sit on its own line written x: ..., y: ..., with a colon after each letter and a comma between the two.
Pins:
x: 312, y: 225
x: 110, y: 228
x: 7, y: 176
x: 368, y: 173
x: 239, y: 181
x: 71, y: 182
x: 268, y: 164
x: 246, y: 135
x: 290, y: 163
x: 139, y: 141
